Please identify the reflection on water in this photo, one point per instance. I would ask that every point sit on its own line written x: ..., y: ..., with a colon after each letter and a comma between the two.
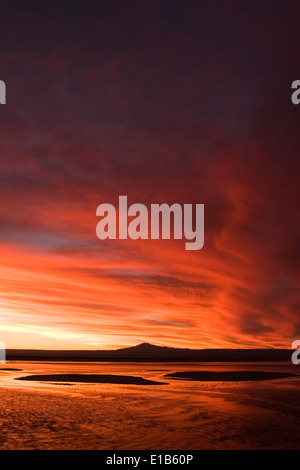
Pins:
x: 178, y: 415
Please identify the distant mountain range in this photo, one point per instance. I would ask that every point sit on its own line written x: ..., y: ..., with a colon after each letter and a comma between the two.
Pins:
x: 149, y: 352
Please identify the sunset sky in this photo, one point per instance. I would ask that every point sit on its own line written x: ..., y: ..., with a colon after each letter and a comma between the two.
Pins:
x: 163, y: 101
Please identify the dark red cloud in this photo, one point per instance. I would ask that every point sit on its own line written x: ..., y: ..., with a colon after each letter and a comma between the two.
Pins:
x: 164, y: 102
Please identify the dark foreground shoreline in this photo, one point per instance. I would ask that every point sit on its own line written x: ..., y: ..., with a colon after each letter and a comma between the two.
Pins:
x: 238, y: 376
x: 93, y: 378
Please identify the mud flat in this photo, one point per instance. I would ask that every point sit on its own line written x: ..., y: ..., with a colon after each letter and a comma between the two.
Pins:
x: 236, y: 376
x: 85, y: 378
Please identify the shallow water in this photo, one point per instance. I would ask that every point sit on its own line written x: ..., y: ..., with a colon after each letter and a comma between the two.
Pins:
x: 178, y: 415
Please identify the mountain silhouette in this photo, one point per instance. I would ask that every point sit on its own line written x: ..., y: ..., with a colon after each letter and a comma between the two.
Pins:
x: 151, y: 352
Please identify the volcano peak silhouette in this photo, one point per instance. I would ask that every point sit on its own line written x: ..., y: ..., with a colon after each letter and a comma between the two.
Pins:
x: 149, y: 350
x: 145, y: 348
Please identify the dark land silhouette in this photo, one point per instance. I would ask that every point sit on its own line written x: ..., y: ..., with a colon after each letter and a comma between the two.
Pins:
x: 195, y: 376
x: 151, y: 353
x: 232, y: 376
x: 92, y: 378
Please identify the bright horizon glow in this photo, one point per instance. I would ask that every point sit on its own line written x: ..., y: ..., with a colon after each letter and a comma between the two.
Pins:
x: 42, y: 308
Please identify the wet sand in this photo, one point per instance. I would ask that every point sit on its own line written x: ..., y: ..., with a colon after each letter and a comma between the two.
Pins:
x: 183, y: 414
